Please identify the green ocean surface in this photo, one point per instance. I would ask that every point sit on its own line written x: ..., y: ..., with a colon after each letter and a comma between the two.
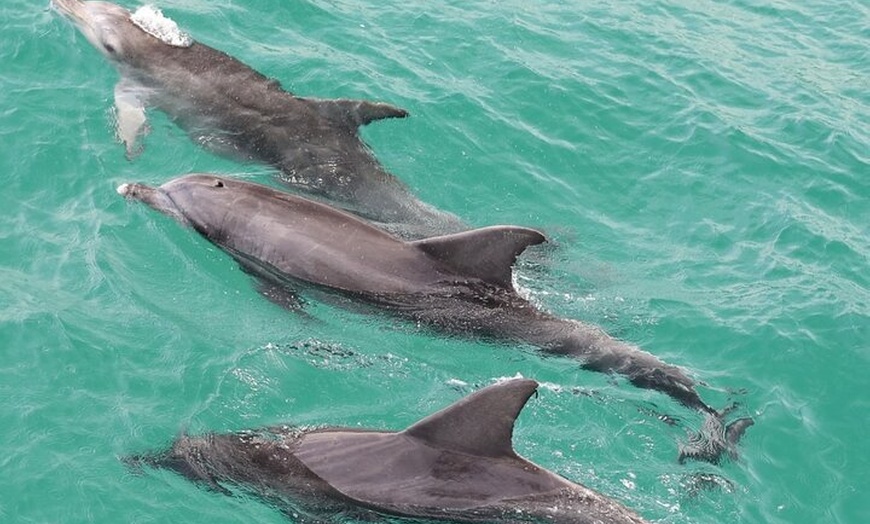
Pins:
x: 701, y: 168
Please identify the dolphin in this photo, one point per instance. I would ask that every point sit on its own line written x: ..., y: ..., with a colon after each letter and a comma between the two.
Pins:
x: 230, y: 109
x: 459, y: 284
x: 457, y: 465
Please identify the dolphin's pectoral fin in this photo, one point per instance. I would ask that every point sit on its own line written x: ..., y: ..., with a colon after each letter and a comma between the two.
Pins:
x: 275, y: 293
x: 355, y: 113
x: 130, y: 111
x: 280, y: 296
x: 487, y: 253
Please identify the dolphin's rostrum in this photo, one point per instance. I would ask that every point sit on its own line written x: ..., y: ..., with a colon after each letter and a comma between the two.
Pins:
x: 457, y: 464
x: 229, y: 108
x: 458, y: 284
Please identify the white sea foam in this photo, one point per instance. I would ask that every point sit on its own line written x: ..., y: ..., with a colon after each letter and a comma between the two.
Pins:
x: 152, y: 21
x: 499, y: 380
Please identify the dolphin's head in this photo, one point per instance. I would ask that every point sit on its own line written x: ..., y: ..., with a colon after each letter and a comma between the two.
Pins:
x: 259, y: 457
x: 120, y: 35
x: 204, y: 202
x: 194, y: 458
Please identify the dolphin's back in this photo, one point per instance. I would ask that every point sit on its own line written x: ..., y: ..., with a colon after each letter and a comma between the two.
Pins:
x: 321, y: 245
x: 398, y: 471
x: 458, y: 459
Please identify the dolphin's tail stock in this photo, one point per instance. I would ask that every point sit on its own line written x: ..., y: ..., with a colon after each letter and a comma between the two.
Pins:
x: 600, y: 352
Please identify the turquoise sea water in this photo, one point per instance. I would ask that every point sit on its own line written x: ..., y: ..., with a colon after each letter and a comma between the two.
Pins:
x: 703, y: 169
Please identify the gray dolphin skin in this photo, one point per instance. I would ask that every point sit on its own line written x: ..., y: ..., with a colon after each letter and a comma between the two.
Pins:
x: 457, y: 464
x: 458, y: 284
x: 229, y: 108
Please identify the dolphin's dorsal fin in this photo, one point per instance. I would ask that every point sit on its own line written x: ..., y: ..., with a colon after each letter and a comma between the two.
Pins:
x: 481, y: 424
x: 355, y: 113
x: 486, y: 253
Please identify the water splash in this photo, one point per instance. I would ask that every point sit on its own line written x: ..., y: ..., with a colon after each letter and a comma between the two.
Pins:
x: 151, y: 20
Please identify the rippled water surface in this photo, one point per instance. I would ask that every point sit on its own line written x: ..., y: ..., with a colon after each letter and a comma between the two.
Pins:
x: 702, y: 168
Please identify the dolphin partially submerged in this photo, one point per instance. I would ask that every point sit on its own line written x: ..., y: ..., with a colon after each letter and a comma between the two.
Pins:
x: 231, y: 109
x: 458, y: 284
x: 457, y: 464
